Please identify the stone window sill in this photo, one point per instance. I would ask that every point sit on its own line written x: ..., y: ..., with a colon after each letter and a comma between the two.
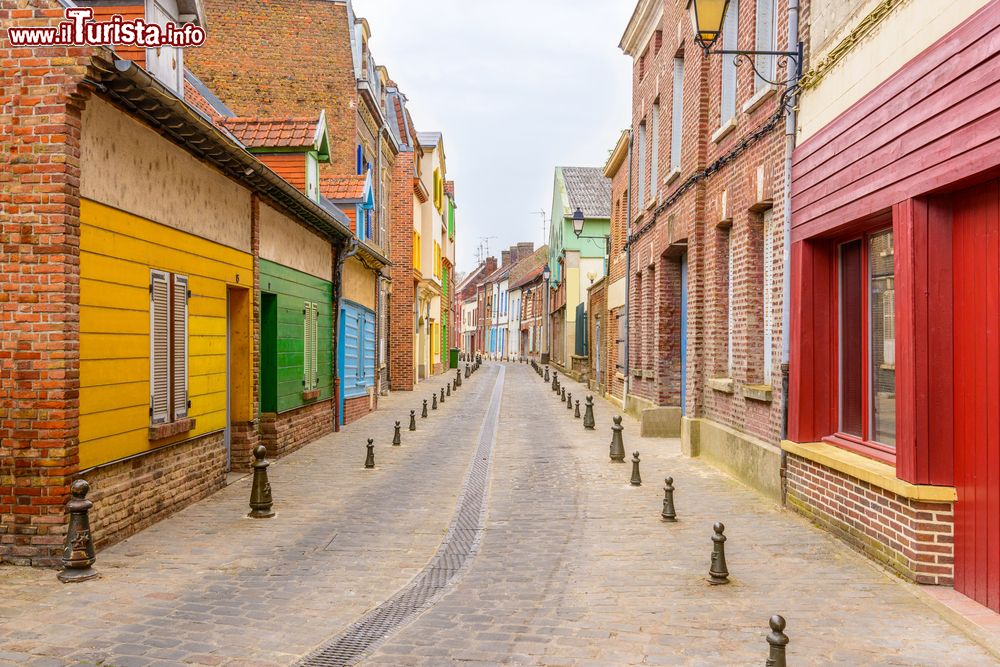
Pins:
x: 723, y: 130
x: 651, y: 203
x: 163, y: 431
x: 758, y: 392
x: 672, y: 176
x: 868, y: 470
x: 754, y: 102
x: 724, y: 385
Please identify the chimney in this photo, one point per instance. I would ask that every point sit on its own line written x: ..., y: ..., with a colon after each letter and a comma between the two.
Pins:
x: 525, y: 248
x: 491, y: 265
x: 504, y: 257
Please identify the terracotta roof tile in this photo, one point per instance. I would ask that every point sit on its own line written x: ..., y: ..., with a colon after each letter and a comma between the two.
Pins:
x: 342, y: 187
x: 273, y: 132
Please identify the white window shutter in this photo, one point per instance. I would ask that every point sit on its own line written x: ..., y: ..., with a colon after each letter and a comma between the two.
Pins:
x: 730, y: 302
x: 314, y: 350
x: 765, y: 41
x: 730, y: 42
x: 768, y: 293
x: 654, y: 160
x: 307, y: 372
x: 677, y: 115
x: 159, y: 347
x: 179, y: 334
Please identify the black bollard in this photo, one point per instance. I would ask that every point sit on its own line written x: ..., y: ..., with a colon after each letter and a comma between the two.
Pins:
x: 423, y: 414
x: 397, y: 437
x: 413, y: 420
x: 718, y: 573
x: 636, y: 479
x: 370, y: 457
x: 569, y: 401
x: 467, y: 370
x: 588, y: 415
x: 442, y: 394
x: 78, y: 551
x: 563, y: 397
x: 448, y: 389
x: 458, y: 378
x: 434, y: 401
x: 777, y: 640
x: 617, y: 449
x: 546, y: 373
x: 555, y: 381
x: 260, y: 492
x: 668, y: 512
x: 576, y: 413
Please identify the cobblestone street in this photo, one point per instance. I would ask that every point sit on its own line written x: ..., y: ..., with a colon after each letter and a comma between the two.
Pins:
x: 575, y: 566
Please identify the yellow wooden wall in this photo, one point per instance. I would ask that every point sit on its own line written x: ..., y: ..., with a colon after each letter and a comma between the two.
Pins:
x: 117, y: 251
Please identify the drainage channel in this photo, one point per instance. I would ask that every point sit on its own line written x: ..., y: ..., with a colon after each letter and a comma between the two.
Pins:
x: 458, y: 548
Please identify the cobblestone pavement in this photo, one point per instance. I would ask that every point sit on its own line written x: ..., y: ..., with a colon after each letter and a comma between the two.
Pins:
x: 575, y: 567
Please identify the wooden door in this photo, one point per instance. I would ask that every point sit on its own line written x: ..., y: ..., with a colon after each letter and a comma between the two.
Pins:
x: 976, y: 248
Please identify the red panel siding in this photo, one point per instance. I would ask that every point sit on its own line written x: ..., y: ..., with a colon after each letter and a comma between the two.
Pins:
x: 290, y: 166
x: 977, y: 392
x: 129, y: 13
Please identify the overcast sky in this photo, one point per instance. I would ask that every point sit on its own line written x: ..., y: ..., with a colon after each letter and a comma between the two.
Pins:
x: 517, y: 87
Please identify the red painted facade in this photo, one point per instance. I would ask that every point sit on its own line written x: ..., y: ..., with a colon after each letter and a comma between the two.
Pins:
x: 919, y: 155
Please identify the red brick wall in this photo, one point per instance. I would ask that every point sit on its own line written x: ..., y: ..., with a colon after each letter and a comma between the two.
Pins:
x: 401, y: 337
x: 285, y: 432
x: 916, y: 539
x: 134, y: 494
x: 356, y: 408
x: 39, y: 285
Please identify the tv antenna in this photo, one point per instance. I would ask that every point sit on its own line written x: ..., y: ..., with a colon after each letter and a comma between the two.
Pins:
x: 484, y: 249
x: 545, y: 230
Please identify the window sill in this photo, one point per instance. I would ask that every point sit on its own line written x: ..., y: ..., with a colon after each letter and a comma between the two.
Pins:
x: 723, y: 385
x: 758, y: 392
x: 672, y: 176
x: 651, y: 203
x: 754, y: 102
x: 310, y: 395
x: 868, y: 470
x: 163, y: 431
x: 724, y: 130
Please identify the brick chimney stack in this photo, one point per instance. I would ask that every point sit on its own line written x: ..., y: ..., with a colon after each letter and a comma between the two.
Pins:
x: 504, y: 257
x: 491, y: 265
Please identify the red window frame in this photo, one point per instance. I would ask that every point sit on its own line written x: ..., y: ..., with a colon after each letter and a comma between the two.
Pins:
x: 861, y: 445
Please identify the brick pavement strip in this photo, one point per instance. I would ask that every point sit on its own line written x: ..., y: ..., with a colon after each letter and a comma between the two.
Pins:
x: 575, y: 567
x: 210, y: 586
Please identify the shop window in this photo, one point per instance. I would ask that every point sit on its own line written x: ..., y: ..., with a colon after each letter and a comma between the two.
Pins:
x: 866, y: 335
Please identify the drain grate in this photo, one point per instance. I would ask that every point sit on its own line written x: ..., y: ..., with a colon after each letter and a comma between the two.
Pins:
x: 458, y: 547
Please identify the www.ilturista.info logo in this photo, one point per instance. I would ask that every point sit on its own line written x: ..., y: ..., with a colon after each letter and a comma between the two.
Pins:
x: 80, y: 29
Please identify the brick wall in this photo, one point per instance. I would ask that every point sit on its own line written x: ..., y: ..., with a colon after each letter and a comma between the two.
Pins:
x: 39, y: 284
x: 401, y: 336
x: 913, y: 538
x: 133, y: 494
x: 358, y: 407
x: 285, y: 432
x: 597, y: 309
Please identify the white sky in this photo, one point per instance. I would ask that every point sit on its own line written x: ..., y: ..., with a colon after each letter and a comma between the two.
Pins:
x: 517, y: 87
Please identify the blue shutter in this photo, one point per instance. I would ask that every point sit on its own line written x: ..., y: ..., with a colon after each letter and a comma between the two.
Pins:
x: 368, y: 348
x: 359, y: 166
x: 352, y: 361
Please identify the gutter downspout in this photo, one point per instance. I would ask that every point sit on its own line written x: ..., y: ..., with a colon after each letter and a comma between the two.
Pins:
x: 786, y: 288
x: 628, y: 275
x: 344, y: 251
x: 378, y: 276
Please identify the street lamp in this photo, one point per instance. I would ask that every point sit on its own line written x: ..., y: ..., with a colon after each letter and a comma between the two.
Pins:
x: 546, y: 275
x: 578, y: 220
x: 707, y: 19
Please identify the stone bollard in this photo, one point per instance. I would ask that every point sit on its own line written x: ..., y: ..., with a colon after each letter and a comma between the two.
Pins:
x: 636, y: 478
x: 260, y: 492
x: 434, y: 401
x: 546, y: 373
x: 397, y: 437
x: 777, y: 641
x: 370, y: 457
x: 617, y: 449
x: 718, y: 572
x: 576, y: 413
x: 588, y: 415
x: 423, y: 414
x: 78, y: 552
x: 569, y: 401
x: 563, y: 397
x: 413, y: 420
x: 668, y: 512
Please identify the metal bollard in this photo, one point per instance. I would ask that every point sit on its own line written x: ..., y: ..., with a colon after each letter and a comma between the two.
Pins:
x: 370, y: 457
x: 78, y: 551
x: 563, y: 397
x: 260, y: 493
x: 413, y: 420
x: 718, y: 573
x: 636, y: 479
x: 397, y: 437
x: 442, y: 394
x: 434, y: 401
x: 458, y: 378
x: 588, y: 415
x: 423, y: 414
x: 617, y: 449
x: 576, y: 413
x: 546, y: 373
x: 668, y: 512
x: 555, y: 381
x: 777, y: 640
x: 569, y: 401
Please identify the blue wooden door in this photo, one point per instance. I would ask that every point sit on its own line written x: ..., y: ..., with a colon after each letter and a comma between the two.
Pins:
x: 684, y: 330
x: 356, y: 352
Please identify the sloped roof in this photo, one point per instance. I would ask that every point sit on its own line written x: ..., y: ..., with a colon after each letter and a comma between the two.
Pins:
x: 588, y: 189
x: 341, y: 188
x: 530, y: 277
x: 275, y: 132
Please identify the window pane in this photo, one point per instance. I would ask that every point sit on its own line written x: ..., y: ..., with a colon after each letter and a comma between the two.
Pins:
x: 882, y: 325
x: 851, y: 322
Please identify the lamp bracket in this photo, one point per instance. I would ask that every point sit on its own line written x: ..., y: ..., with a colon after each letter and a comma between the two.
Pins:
x: 787, y: 57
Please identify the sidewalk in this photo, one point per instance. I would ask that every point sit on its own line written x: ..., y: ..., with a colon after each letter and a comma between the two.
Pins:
x: 209, y: 586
